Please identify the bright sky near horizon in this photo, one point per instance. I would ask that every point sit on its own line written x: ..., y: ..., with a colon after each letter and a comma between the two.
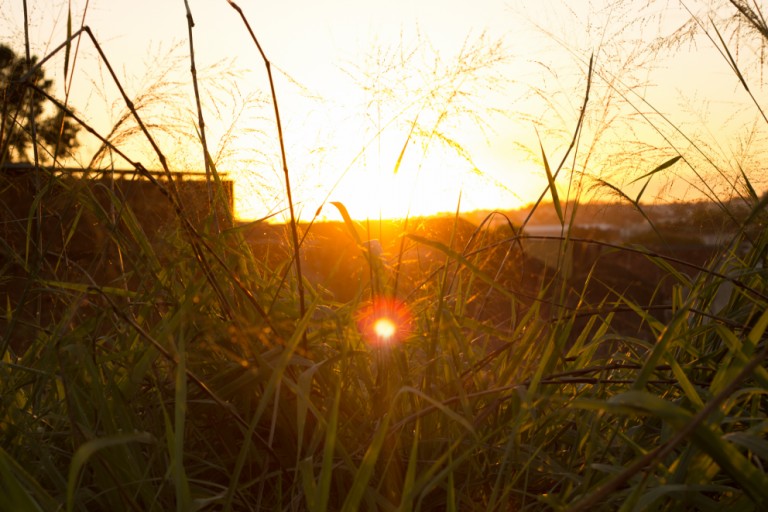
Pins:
x: 403, y: 107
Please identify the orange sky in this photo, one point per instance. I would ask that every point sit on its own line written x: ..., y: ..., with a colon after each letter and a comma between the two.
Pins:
x: 358, y: 82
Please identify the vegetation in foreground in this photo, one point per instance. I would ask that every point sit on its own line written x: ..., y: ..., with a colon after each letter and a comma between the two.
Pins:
x: 188, y: 369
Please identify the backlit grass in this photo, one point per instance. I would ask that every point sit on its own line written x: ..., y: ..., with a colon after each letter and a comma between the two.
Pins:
x: 184, y: 366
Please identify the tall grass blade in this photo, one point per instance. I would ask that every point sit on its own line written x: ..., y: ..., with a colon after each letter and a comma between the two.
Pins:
x: 283, y: 158
x: 552, y: 185
x: 268, y: 395
x: 634, y: 202
x: 707, y: 438
x: 464, y: 261
x: 405, y: 146
x: 736, y: 71
x: 20, y: 490
x: 326, y: 469
x: 669, y: 163
x: 661, y: 347
x: 68, y: 48
x: 406, y: 503
x: 364, y: 473
x: 178, y: 473
x: 89, y: 449
x: 348, y: 222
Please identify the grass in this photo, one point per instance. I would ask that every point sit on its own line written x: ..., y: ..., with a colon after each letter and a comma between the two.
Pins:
x: 184, y: 369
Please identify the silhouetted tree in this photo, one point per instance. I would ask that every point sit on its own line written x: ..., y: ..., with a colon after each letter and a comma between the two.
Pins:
x: 54, y: 132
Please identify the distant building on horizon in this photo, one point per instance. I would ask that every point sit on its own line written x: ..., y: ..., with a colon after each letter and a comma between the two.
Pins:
x: 145, y: 198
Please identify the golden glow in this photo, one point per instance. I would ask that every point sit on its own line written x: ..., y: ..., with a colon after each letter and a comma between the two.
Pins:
x: 384, y: 328
x: 436, y: 183
x: 350, y: 99
x: 416, y: 150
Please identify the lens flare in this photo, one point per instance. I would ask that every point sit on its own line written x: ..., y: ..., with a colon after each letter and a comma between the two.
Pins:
x: 384, y: 321
x: 384, y: 328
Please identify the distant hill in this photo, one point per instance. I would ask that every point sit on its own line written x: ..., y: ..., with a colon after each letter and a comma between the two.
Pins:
x: 489, y: 243
x: 676, y: 224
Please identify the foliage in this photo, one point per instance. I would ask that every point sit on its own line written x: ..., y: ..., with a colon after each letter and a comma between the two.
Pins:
x: 23, y: 113
x: 150, y: 367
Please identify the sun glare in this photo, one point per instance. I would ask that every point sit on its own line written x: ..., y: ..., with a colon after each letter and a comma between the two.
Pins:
x: 384, y: 321
x: 405, y: 161
x: 384, y: 328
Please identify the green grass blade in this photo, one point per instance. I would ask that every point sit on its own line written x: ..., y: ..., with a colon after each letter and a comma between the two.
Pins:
x: 732, y: 461
x: 326, y: 469
x: 20, y: 491
x: 406, y: 503
x: 178, y: 473
x: 440, y: 407
x: 267, y: 395
x: 365, y: 471
x: 671, y: 333
x: 552, y: 185
x: 477, y: 271
x: 89, y: 448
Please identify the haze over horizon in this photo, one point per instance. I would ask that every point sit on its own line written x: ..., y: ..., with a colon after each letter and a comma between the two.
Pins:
x: 416, y: 109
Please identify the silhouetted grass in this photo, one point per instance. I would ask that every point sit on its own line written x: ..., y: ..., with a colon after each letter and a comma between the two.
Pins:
x: 181, y: 366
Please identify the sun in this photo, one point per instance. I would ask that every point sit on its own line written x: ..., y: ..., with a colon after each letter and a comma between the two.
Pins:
x: 389, y: 168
